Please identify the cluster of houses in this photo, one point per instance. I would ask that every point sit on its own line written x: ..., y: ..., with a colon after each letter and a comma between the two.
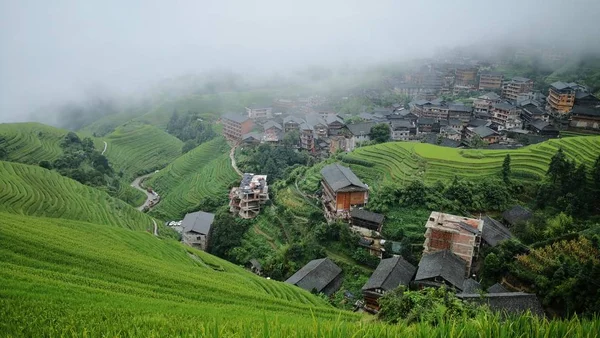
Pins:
x: 450, y: 254
x: 318, y: 131
x: 509, y: 104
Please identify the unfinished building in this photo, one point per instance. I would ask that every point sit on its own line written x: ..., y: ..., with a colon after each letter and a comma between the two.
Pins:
x: 460, y: 235
x: 246, y: 200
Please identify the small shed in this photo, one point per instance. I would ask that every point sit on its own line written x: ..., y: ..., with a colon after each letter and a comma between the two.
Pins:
x: 254, y: 266
x: 319, y: 276
x: 506, y: 302
x: 441, y: 268
x: 494, y: 232
x: 516, y: 214
x: 390, y: 273
x: 366, y: 219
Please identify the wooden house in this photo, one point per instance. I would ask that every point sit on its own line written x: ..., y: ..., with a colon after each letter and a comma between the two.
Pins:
x: 318, y: 276
x: 390, y: 273
x: 342, y: 189
x: 366, y: 219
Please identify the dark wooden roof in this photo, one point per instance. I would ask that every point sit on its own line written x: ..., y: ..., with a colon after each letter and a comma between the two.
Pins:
x: 391, y: 273
x: 442, y: 264
x: 367, y: 215
x: 315, y: 275
x: 494, y: 231
x: 199, y: 222
x: 508, y: 302
x: 471, y: 286
x: 516, y: 214
x: 341, y: 178
x: 497, y: 288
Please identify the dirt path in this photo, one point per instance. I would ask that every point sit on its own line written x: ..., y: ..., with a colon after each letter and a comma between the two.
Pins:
x: 267, y: 237
x: 149, y: 196
x: 105, y: 145
x: 155, y: 228
x: 232, y: 157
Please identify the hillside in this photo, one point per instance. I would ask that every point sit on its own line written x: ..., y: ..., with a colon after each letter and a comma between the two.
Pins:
x: 32, y: 190
x: 31, y: 142
x: 75, y: 277
x: 406, y: 161
x: 81, y: 279
x: 136, y: 148
x: 203, y: 172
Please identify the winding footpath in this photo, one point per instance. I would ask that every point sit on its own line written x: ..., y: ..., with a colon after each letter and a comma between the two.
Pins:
x: 233, y: 164
x: 149, y: 196
x: 136, y: 184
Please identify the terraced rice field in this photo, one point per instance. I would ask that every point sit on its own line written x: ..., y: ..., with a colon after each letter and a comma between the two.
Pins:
x: 32, y: 142
x: 203, y: 172
x: 136, y: 147
x: 31, y: 190
x: 70, y: 277
x: 406, y: 161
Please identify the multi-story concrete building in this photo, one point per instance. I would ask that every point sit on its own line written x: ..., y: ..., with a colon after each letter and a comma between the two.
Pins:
x: 460, y: 235
x: 502, y: 112
x: 259, y: 112
x: 307, y: 137
x: 246, y: 200
x: 465, y: 76
x: 483, y: 104
x: 436, y: 109
x: 490, y: 81
x: 516, y: 86
x: 235, y: 125
x: 561, y: 96
x: 459, y: 111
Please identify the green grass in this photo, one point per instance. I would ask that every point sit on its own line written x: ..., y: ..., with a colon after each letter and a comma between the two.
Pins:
x: 205, y: 171
x: 32, y: 142
x: 136, y: 148
x: 406, y: 161
x: 32, y: 190
x: 65, y: 277
x: 71, y: 279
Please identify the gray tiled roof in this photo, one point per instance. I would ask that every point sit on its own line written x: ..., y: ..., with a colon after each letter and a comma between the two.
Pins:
x: 516, y: 214
x: 503, y: 106
x: 484, y: 131
x: 367, y: 215
x: 236, y: 117
x: 459, y: 107
x: 471, y: 286
x: 497, y: 288
x: 358, y: 129
x: 586, y: 111
x: 509, y: 302
x: 559, y: 85
x: 340, y: 178
x: 391, y: 273
x: 199, y: 222
x: 315, y: 275
x: 271, y: 124
x: 442, y: 264
x: 494, y: 231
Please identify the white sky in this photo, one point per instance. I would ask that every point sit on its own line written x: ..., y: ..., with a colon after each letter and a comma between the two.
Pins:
x: 54, y: 50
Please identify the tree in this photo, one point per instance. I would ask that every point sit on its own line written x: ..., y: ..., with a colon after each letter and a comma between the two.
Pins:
x: 45, y: 164
x: 291, y: 139
x: 380, y: 133
x: 476, y: 142
x: 226, y: 233
x: 429, y: 305
x: 506, y: 169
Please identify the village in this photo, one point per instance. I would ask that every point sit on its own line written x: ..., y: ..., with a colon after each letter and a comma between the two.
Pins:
x: 507, y: 113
